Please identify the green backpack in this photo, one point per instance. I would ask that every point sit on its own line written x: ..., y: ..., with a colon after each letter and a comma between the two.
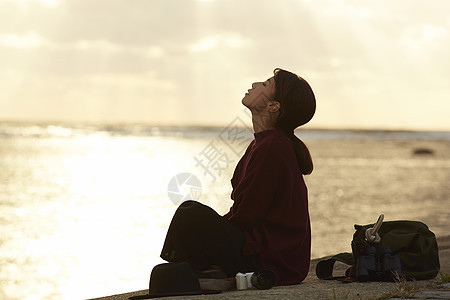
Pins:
x: 405, y: 249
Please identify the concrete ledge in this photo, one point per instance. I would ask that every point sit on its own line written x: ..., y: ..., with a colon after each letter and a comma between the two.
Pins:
x: 314, y: 288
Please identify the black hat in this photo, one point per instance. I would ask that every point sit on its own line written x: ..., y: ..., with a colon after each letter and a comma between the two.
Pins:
x: 174, y: 279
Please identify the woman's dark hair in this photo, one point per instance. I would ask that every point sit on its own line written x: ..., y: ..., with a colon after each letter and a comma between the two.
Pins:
x: 297, y: 107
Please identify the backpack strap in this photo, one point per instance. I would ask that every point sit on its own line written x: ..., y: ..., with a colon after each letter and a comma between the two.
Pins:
x: 324, y: 268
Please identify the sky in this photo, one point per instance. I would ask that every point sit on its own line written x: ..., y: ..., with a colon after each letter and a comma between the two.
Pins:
x: 373, y: 64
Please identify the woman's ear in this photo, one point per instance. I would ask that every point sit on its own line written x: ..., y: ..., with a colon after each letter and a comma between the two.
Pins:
x: 273, y: 106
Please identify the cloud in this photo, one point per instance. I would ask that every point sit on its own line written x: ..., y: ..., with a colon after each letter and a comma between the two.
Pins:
x: 87, y: 97
x: 356, y: 54
x: 28, y: 4
x: 419, y: 38
x: 106, y: 47
x: 222, y: 41
x: 31, y: 52
x: 29, y: 40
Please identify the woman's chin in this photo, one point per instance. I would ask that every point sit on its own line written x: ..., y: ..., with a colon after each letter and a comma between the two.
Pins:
x: 246, y: 101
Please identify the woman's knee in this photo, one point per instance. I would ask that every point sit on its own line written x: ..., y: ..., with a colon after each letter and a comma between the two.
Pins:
x: 188, y: 203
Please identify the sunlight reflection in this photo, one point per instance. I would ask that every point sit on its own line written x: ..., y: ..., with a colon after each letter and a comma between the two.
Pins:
x: 99, y: 209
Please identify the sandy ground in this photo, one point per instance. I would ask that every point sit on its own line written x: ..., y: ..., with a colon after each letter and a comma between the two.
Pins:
x: 314, y: 288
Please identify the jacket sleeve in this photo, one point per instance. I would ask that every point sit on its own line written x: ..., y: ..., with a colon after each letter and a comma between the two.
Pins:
x: 254, y: 195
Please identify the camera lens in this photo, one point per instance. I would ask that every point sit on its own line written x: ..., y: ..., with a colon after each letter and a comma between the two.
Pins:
x: 263, y: 280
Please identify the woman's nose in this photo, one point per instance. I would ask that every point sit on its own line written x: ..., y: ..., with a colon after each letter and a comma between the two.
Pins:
x: 254, y: 84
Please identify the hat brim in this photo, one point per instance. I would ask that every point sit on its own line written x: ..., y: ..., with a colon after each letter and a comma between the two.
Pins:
x: 160, y: 295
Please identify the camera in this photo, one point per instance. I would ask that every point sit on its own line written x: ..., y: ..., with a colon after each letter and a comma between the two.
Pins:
x: 373, y: 267
x: 261, y: 280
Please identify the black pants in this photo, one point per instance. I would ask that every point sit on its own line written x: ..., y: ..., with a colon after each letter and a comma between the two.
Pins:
x: 200, y: 236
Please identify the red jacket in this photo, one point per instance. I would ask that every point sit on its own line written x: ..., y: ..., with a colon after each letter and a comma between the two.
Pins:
x: 271, y: 207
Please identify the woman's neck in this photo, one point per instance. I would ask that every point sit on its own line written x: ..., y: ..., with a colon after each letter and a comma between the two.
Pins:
x: 262, y: 122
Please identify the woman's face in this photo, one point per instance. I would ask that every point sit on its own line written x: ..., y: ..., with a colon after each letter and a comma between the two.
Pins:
x: 260, y: 95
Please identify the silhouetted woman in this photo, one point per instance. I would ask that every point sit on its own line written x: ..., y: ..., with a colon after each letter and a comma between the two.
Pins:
x: 268, y: 225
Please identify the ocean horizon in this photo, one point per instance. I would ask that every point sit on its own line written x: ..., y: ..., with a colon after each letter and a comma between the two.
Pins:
x: 11, y: 128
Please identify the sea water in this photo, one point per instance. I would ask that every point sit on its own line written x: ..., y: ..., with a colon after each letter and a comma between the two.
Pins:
x: 84, y: 209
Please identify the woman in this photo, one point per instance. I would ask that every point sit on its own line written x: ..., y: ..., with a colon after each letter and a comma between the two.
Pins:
x: 268, y: 225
